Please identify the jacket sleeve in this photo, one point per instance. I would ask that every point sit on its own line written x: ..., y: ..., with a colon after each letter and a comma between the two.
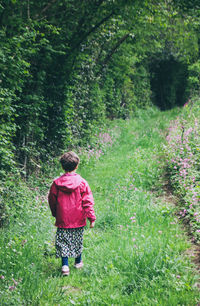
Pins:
x: 88, y: 202
x: 52, y: 199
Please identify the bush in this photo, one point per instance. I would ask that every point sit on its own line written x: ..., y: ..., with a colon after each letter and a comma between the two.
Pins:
x: 183, y: 154
x: 194, y: 77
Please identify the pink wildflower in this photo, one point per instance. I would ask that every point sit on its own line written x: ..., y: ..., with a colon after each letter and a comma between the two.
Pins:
x: 15, y: 282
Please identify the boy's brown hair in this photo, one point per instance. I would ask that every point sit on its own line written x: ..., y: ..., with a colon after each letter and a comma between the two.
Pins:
x: 69, y: 161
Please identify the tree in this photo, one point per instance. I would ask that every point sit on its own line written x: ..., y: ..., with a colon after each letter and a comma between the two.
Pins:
x: 66, y: 65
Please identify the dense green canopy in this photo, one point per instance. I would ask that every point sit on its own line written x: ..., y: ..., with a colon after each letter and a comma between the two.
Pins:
x: 67, y: 65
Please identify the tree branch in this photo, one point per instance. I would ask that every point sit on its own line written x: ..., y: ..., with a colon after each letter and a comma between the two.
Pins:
x: 28, y: 9
x: 114, y: 49
x: 93, y: 29
x: 46, y: 8
x: 83, y: 18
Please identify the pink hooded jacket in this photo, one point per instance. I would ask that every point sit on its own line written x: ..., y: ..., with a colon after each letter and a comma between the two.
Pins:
x: 71, y: 201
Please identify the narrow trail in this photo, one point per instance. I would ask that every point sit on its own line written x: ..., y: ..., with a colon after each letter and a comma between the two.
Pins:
x: 193, y: 252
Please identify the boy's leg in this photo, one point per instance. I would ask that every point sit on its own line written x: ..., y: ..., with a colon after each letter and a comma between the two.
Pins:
x: 78, y: 262
x: 78, y: 259
x: 65, y: 267
x: 64, y: 261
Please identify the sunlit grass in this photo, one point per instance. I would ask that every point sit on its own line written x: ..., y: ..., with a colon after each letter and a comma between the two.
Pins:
x: 134, y: 255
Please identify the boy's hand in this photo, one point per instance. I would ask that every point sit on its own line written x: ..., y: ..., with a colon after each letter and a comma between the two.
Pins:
x: 92, y: 224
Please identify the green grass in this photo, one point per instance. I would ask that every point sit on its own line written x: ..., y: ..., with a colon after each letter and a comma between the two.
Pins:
x: 125, y: 262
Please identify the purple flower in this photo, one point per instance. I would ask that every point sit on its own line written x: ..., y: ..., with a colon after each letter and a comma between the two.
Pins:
x: 15, y: 282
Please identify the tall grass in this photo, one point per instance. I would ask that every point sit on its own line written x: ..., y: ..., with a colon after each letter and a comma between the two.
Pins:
x: 136, y: 253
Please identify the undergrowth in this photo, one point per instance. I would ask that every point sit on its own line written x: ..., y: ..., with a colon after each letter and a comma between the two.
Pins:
x: 183, y: 154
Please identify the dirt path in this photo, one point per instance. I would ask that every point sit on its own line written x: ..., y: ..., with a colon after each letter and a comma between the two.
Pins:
x: 194, y: 251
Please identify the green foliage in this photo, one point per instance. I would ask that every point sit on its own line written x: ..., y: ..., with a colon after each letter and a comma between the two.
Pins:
x: 67, y: 66
x: 141, y: 86
x: 14, y: 195
x: 84, y: 102
x: 7, y: 130
x: 186, y: 5
x: 194, y: 78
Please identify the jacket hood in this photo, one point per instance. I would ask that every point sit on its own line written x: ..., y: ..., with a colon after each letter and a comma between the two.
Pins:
x: 68, y: 182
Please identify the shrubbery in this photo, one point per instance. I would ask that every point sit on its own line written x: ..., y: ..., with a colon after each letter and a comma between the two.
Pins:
x: 67, y: 66
x: 183, y: 154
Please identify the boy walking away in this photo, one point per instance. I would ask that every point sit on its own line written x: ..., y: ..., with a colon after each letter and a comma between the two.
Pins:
x: 71, y: 203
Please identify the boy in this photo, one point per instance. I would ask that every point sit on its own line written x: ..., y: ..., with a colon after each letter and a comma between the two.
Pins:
x: 71, y: 203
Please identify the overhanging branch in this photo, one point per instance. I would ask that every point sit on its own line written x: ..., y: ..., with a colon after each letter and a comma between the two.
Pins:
x: 46, y: 8
x: 114, y: 49
x: 91, y: 30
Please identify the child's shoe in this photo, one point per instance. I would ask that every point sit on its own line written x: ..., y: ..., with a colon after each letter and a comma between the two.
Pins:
x: 78, y: 265
x: 65, y: 270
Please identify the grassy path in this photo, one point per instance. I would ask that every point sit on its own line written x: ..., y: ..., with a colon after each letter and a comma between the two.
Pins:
x: 135, y: 254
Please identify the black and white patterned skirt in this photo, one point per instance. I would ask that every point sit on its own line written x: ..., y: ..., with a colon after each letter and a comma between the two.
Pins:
x: 69, y: 242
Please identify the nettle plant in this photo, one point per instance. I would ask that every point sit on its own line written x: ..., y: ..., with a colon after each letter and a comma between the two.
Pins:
x: 183, y: 153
